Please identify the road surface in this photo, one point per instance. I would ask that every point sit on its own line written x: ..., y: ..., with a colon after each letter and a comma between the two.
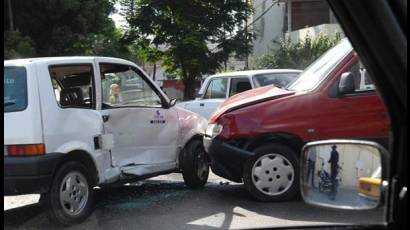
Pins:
x: 166, y: 203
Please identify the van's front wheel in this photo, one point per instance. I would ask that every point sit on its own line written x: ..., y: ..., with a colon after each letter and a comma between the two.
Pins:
x: 272, y: 174
x: 194, y: 165
x: 71, y: 196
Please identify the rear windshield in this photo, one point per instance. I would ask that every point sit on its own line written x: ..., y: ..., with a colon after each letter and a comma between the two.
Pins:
x: 15, y: 89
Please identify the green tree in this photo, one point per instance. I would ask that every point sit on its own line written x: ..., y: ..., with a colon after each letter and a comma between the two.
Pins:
x: 297, y: 55
x: 186, y: 30
x: 66, y: 27
x: 17, y: 46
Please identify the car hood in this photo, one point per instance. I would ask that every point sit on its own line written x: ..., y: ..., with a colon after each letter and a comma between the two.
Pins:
x: 248, y: 98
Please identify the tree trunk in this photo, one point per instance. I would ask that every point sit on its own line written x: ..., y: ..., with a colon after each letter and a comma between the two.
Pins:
x: 189, y: 89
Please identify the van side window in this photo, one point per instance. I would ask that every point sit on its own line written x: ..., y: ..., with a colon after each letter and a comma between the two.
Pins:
x: 239, y: 85
x: 216, y: 88
x: 362, y: 79
x: 123, y: 86
x: 73, y: 85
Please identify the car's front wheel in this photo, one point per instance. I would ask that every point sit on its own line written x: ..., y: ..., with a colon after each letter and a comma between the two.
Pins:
x: 272, y: 174
x: 194, y: 164
x: 71, y: 196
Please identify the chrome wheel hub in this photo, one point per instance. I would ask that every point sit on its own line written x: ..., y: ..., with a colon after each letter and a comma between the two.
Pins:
x: 273, y: 174
x: 74, y: 193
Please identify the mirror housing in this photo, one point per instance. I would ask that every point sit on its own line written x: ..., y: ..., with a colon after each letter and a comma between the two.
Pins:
x: 172, y: 102
x: 346, y: 84
x: 344, y: 174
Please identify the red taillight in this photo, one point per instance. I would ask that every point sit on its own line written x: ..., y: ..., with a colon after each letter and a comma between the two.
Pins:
x: 26, y: 150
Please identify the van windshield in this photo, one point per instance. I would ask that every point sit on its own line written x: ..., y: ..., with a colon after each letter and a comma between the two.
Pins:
x: 319, y: 69
x: 15, y: 89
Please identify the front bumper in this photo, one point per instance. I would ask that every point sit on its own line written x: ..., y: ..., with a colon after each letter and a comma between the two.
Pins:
x: 226, y: 160
x: 29, y: 175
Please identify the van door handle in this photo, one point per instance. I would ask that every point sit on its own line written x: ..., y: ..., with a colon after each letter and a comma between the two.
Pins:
x: 201, y: 104
x: 105, y: 118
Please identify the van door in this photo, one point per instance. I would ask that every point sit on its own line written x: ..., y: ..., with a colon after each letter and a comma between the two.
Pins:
x: 360, y: 114
x: 70, y: 117
x: 144, y: 130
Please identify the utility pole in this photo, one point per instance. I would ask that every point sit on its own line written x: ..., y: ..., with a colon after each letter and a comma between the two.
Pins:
x: 154, y: 72
x: 10, y: 16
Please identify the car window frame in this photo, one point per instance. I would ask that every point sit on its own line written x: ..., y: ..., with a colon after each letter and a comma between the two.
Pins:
x: 333, y: 90
x: 209, y: 84
x: 93, y: 83
x: 164, y: 103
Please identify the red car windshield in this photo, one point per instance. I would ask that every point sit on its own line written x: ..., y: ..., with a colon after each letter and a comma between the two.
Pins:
x: 319, y: 69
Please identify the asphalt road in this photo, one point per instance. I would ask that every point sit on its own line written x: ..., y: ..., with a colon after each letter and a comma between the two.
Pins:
x: 166, y: 203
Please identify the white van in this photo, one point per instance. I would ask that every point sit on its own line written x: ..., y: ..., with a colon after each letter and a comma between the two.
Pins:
x: 73, y: 123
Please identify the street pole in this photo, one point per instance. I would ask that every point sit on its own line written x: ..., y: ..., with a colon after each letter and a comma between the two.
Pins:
x: 155, y: 71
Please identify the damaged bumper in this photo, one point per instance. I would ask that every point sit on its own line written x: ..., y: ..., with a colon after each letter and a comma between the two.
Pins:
x: 226, y: 160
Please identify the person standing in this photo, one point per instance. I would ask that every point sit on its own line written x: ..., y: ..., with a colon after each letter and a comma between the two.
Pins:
x: 311, y: 167
x: 334, y: 160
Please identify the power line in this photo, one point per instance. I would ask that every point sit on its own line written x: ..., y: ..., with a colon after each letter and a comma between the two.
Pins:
x: 264, y: 12
x: 255, y: 20
x: 260, y: 4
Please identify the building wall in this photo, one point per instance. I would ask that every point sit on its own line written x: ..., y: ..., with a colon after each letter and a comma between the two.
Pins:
x: 309, y: 13
x: 303, y: 17
x: 268, y: 28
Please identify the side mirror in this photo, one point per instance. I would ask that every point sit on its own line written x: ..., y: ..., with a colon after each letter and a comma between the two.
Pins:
x: 344, y: 174
x: 346, y: 84
x: 172, y: 102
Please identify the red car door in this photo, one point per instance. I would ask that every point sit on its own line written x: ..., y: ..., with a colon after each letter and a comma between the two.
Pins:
x: 358, y: 115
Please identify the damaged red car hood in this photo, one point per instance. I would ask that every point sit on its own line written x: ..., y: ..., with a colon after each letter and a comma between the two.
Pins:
x: 248, y: 98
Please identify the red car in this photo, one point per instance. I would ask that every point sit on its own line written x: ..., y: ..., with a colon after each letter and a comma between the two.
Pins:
x: 255, y: 137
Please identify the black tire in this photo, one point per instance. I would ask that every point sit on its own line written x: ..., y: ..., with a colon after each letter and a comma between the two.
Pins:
x: 285, y: 152
x: 194, y: 165
x: 55, y: 210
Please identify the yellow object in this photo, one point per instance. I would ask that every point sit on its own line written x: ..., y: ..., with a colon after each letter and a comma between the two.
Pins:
x: 370, y: 187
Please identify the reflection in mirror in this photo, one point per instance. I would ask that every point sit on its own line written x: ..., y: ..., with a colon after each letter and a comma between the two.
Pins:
x: 342, y: 175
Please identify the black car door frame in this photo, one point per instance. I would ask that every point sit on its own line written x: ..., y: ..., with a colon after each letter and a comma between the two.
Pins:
x: 378, y: 32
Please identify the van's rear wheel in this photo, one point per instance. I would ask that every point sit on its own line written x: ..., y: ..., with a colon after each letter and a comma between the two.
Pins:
x: 272, y: 174
x: 194, y: 165
x: 71, y: 197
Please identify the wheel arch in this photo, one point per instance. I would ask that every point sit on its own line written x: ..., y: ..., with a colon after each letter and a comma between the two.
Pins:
x: 291, y: 140
x: 81, y: 157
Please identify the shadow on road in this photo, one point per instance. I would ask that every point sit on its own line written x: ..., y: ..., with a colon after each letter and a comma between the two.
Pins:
x: 171, y: 205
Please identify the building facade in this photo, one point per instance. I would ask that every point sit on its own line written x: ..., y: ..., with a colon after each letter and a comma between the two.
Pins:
x: 273, y: 20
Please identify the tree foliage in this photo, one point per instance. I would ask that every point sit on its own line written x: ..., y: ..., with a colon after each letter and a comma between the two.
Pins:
x: 195, y: 37
x: 17, y: 46
x: 65, y: 27
x: 297, y: 55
